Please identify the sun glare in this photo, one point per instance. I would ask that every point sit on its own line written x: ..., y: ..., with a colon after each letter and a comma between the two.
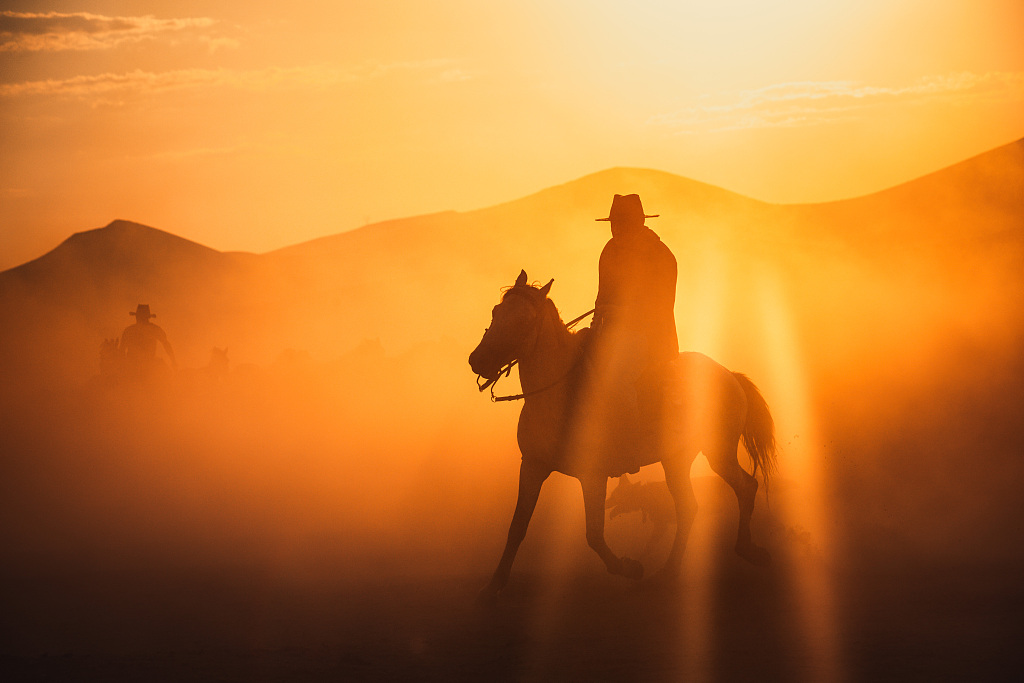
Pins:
x: 801, y: 494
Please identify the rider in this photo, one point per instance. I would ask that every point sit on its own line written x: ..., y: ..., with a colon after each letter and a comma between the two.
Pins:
x: 138, y: 343
x: 634, y: 327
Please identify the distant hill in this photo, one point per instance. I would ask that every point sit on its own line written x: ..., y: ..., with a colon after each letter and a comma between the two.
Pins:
x: 62, y: 303
x: 429, y: 277
x: 978, y: 199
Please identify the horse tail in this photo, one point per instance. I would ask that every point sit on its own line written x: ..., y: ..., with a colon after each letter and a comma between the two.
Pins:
x: 759, y: 430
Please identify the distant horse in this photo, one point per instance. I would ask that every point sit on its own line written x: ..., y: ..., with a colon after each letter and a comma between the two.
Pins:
x: 719, y: 408
x: 111, y: 361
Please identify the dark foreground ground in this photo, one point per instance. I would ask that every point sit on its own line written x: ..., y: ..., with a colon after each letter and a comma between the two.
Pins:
x: 108, y: 573
x: 920, y: 623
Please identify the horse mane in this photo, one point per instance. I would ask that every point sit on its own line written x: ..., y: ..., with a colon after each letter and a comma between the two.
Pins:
x: 574, y: 339
x: 545, y: 304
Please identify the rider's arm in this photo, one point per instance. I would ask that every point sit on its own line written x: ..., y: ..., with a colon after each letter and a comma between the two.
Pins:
x: 170, y: 353
x: 162, y: 336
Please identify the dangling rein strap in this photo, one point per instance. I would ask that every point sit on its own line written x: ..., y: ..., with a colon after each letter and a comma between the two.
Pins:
x: 504, y: 372
x: 487, y: 383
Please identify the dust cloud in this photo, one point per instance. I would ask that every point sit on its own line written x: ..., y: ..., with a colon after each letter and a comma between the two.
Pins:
x: 328, y: 504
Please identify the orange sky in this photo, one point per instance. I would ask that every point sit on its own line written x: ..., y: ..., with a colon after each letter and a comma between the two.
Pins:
x: 254, y: 125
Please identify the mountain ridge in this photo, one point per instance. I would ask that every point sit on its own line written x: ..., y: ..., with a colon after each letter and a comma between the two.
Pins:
x: 604, y: 182
x: 411, y: 280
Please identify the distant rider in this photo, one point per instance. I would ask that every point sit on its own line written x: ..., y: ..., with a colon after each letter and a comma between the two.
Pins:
x: 138, y: 343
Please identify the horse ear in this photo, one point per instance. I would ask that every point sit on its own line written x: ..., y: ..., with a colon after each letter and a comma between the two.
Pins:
x: 547, y: 288
x: 521, y: 280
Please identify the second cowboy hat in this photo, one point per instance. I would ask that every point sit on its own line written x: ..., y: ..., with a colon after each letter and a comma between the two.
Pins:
x: 141, y: 312
x: 625, y: 207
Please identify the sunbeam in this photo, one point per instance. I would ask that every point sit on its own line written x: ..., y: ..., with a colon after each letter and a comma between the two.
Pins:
x: 801, y: 501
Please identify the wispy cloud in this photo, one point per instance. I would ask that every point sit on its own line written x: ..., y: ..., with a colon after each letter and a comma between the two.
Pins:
x: 111, y: 83
x: 816, y: 103
x: 56, y: 31
x: 114, y: 87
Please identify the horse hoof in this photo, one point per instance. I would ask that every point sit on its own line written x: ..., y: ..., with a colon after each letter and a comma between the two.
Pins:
x: 755, y: 555
x: 488, y: 596
x: 632, y: 569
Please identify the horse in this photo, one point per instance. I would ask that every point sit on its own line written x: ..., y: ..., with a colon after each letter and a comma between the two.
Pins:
x: 111, y: 360
x: 720, y: 408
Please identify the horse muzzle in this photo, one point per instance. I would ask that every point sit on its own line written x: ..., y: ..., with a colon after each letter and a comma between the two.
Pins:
x: 481, y: 366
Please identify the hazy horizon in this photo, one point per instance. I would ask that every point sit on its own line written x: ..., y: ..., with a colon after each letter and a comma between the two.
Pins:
x: 5, y: 266
x: 248, y: 125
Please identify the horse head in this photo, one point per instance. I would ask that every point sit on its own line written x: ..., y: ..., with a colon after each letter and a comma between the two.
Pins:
x: 110, y: 357
x: 515, y: 323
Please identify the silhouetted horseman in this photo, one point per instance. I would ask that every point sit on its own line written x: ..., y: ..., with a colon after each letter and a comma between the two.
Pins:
x: 634, y: 331
x: 138, y: 344
x: 564, y: 427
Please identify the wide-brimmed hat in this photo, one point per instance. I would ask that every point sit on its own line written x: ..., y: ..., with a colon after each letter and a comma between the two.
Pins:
x: 626, y: 207
x: 141, y: 311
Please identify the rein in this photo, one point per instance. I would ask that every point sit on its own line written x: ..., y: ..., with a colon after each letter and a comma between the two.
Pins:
x: 505, y: 370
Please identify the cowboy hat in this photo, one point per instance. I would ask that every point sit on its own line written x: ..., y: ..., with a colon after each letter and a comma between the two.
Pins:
x: 626, y: 207
x: 141, y: 311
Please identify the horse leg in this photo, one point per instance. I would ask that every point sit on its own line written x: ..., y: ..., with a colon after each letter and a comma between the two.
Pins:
x: 595, y: 490
x: 723, y: 461
x: 677, y: 476
x: 531, y: 479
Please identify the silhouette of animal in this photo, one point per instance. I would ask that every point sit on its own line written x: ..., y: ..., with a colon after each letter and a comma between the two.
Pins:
x: 111, y: 366
x: 710, y: 411
x: 110, y: 359
x: 652, y: 500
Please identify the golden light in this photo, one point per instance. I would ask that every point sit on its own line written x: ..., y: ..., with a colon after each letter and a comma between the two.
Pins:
x: 336, y: 191
x: 801, y: 502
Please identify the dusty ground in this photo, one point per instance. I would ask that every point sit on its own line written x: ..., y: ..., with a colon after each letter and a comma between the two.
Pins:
x: 898, y: 622
x: 168, y: 556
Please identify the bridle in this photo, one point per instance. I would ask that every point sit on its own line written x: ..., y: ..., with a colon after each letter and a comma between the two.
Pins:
x: 504, y: 370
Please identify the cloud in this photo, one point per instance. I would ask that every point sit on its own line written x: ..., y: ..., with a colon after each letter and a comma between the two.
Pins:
x: 816, y: 103
x: 116, y: 87
x: 109, y: 83
x: 56, y: 31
